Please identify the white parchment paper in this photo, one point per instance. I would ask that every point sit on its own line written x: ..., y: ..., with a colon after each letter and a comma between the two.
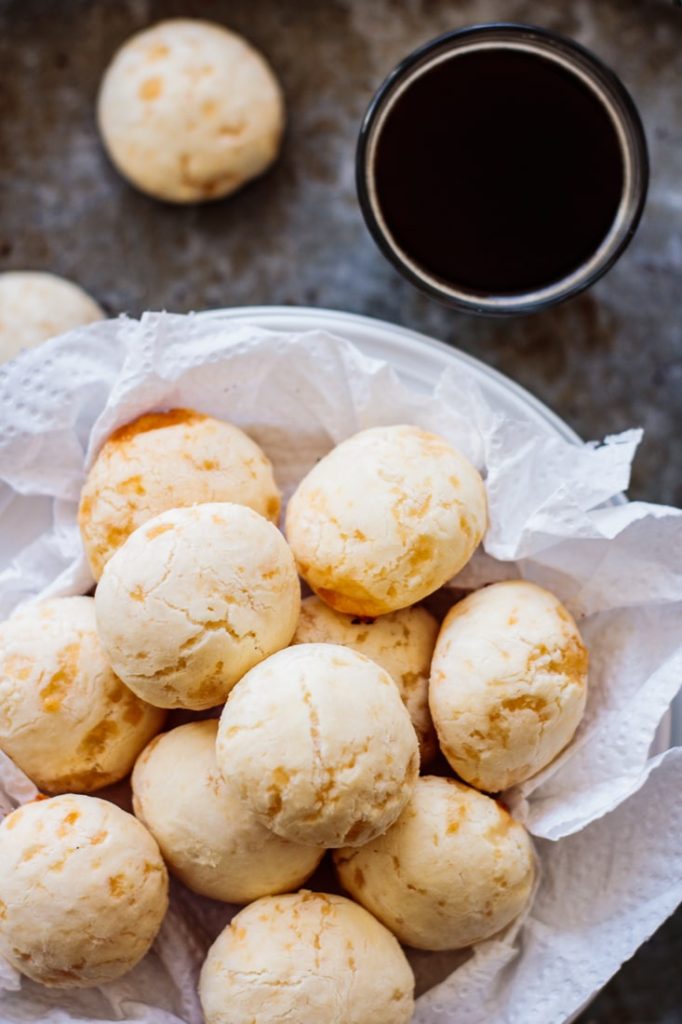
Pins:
x: 607, y: 817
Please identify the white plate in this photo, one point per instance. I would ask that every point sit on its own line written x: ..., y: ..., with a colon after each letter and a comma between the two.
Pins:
x: 417, y: 359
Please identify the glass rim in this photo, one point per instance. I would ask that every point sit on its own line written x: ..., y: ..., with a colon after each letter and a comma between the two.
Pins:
x: 577, y: 60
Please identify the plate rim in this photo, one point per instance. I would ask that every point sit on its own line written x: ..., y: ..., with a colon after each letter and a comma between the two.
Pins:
x: 447, y: 352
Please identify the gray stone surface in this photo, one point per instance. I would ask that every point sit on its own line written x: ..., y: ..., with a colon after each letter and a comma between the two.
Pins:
x: 606, y: 360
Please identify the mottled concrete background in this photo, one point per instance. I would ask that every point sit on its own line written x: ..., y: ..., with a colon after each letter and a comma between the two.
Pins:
x: 604, y: 361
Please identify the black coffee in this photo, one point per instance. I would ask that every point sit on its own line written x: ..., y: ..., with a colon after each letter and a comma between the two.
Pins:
x: 498, y: 171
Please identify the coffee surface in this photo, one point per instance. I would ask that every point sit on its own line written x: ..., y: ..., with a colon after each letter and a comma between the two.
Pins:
x: 498, y: 171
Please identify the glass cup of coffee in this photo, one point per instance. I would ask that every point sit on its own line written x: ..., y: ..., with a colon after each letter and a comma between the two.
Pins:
x: 502, y: 168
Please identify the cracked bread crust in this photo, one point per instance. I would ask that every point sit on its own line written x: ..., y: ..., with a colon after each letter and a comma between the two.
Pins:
x: 508, y: 683
x: 307, y: 958
x: 65, y: 718
x: 168, y: 460
x: 193, y: 600
x: 83, y: 891
x: 319, y: 746
x: 386, y: 518
x: 455, y: 868
x: 401, y: 642
x: 208, y: 839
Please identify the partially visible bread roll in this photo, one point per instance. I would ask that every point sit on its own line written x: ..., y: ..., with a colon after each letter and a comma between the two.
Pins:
x: 35, y: 306
x: 65, y: 718
x: 207, y: 837
x: 309, y: 958
x: 402, y: 642
x: 165, y: 460
x: 83, y: 891
x: 453, y: 870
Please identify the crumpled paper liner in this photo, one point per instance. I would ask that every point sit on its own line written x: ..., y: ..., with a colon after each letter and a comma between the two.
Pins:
x: 615, y: 873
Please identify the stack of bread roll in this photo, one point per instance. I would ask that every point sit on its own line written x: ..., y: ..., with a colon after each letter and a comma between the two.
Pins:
x: 330, y: 707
